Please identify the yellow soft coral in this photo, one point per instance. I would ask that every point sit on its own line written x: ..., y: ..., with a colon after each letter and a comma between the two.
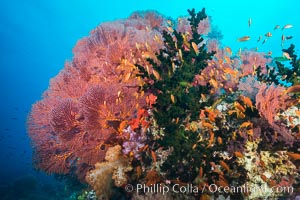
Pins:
x: 112, y: 171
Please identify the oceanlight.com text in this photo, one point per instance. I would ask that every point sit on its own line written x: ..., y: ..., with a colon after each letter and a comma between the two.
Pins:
x: 212, y: 188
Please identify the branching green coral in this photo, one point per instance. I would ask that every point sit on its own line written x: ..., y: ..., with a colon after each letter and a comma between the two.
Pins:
x: 293, y: 74
x: 271, y: 77
x: 178, y: 100
x: 288, y: 74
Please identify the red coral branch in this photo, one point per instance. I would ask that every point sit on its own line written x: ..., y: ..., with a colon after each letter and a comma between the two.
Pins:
x: 271, y: 100
x: 63, y: 118
x: 91, y: 104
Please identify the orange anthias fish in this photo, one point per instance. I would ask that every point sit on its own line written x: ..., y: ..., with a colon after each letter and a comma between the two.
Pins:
x: 227, y: 59
x: 158, y: 39
x: 151, y: 99
x: 287, y: 26
x: 195, y: 47
x: 122, y: 125
x: 194, y: 146
x: 156, y: 74
x: 247, y: 101
x: 230, y: 71
x: 239, y: 110
x: 207, y: 125
x: 293, y: 89
x: 135, y: 123
x: 220, y: 140
x: 222, y: 181
x: 294, y: 156
x: 170, y: 29
x: 250, y: 132
x: 228, y: 50
x: 244, y: 39
x: 214, y: 83
x: 264, y: 178
x: 246, y: 124
x: 141, y: 112
x: 128, y: 75
x: 239, y: 106
x: 170, y: 22
x: 212, y: 114
x: 286, y: 55
x: 268, y: 34
x: 238, y: 154
x: 153, y: 155
x: 172, y: 98
x: 202, y: 114
x: 276, y: 27
x: 211, y: 138
x: 224, y: 165
x: 201, y: 172
x: 138, y: 170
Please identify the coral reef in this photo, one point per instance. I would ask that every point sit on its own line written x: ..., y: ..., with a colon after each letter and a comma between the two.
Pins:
x: 151, y: 100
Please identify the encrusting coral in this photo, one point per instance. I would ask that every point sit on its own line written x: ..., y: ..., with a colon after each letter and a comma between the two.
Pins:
x: 263, y: 176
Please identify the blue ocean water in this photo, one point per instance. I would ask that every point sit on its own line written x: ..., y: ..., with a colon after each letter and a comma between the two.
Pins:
x: 37, y: 37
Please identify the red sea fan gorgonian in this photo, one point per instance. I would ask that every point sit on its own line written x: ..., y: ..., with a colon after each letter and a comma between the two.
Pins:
x: 64, y: 117
x: 251, y: 60
x: 80, y: 114
x: 270, y: 101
